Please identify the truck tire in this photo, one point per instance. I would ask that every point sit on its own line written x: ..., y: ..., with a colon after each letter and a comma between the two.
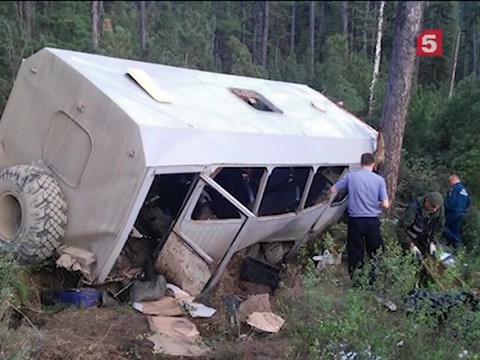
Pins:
x: 33, y: 213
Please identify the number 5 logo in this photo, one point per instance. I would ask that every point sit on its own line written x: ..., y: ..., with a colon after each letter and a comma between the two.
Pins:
x: 430, y: 43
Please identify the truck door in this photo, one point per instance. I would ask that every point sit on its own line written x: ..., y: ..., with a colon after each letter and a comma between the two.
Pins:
x: 206, y: 228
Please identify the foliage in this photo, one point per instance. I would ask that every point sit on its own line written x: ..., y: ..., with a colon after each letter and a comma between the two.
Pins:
x: 418, y: 176
x: 332, y: 319
x: 13, y: 291
x: 426, y: 106
x: 471, y: 231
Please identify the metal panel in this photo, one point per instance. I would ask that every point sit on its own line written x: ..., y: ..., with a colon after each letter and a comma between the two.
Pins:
x: 206, y: 114
x: 212, y: 236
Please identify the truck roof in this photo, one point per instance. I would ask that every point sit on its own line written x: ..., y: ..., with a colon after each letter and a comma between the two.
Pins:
x: 210, y: 111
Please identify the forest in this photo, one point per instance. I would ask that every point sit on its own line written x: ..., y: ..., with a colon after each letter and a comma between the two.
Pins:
x: 340, y: 48
x: 343, y: 49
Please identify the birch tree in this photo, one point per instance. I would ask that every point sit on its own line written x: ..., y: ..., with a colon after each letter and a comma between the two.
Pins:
x: 378, y: 54
x: 25, y: 11
x: 397, y: 97
x: 266, y: 17
x: 454, y: 62
x: 96, y: 6
x: 143, y: 25
x: 293, y: 18
x: 311, y: 37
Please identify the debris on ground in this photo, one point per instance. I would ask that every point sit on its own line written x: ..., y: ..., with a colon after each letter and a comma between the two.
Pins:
x: 260, y: 272
x: 389, y: 304
x: 327, y: 259
x: 166, y: 306
x: 255, y: 303
x: 265, y: 321
x: 196, y: 309
x: 149, y: 289
x: 176, y: 336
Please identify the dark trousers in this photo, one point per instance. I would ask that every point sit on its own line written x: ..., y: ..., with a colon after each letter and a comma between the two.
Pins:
x: 363, y: 235
x: 453, y: 228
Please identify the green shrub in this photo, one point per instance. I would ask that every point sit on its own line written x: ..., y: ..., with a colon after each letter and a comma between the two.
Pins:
x: 13, y: 292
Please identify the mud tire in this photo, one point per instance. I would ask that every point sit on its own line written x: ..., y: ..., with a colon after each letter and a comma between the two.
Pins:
x: 33, y: 213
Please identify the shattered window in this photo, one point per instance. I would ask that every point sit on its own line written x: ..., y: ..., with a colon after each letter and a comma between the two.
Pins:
x: 255, y: 100
x: 213, y: 205
x: 284, y: 190
x: 163, y: 204
x: 241, y: 183
x: 319, y: 191
x: 323, y: 180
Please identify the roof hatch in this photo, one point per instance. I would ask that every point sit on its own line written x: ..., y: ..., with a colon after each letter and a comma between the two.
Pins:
x: 255, y: 100
x: 148, y: 85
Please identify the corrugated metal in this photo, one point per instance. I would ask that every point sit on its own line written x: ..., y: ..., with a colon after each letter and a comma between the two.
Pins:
x: 214, y: 237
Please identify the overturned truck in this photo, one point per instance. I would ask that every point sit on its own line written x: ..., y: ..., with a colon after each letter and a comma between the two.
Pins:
x: 98, y: 151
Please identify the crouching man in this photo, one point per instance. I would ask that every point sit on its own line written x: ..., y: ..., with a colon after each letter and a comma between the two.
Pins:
x: 420, y: 226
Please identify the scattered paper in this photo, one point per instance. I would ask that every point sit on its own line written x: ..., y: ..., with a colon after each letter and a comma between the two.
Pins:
x: 166, y: 306
x: 176, y: 336
x: 197, y: 309
x: 265, y: 321
x: 179, y: 293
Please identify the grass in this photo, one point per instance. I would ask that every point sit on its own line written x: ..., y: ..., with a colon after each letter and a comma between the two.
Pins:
x: 331, y: 319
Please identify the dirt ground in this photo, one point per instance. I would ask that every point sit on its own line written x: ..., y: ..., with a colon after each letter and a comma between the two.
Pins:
x: 120, y: 332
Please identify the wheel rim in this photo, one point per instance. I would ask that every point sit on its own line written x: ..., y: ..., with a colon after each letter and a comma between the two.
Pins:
x: 10, y: 215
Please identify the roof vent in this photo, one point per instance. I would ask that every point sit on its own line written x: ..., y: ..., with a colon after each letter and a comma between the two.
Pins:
x: 256, y: 100
x: 148, y: 85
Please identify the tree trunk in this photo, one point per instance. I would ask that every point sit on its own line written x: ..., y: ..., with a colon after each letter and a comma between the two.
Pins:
x: 266, y: 17
x: 475, y: 54
x: 345, y: 18
x: 255, y: 33
x: 454, y: 62
x: 311, y: 36
x: 143, y: 26
x: 96, y: 6
x: 366, y: 24
x: 321, y: 27
x: 293, y: 19
x: 378, y: 55
x: 397, y: 97
x: 242, y: 27
x: 216, y: 51
x: 25, y: 11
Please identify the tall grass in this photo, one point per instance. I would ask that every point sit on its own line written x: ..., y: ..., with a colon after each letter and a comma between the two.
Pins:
x: 332, y: 319
x: 14, y: 340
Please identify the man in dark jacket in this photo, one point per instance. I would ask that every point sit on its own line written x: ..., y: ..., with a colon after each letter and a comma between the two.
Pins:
x: 456, y: 204
x: 420, y: 226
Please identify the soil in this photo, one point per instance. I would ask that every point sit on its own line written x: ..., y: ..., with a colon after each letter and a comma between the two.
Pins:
x: 120, y: 332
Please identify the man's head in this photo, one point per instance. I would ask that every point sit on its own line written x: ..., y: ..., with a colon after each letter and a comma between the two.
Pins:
x: 367, y: 159
x: 453, y: 179
x: 433, y: 201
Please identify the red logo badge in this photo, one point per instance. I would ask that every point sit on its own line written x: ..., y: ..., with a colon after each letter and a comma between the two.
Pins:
x: 430, y: 43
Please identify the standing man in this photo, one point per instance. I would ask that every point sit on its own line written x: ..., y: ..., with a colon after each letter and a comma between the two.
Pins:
x: 366, y: 192
x: 456, y: 204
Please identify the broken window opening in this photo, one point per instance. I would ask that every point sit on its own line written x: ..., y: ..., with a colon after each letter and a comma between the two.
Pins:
x: 284, y: 190
x: 333, y: 174
x: 212, y: 205
x: 241, y: 183
x: 255, y: 100
x: 323, y: 180
x: 162, y: 206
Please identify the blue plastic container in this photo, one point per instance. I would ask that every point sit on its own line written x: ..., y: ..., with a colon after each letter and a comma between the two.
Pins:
x: 83, y: 297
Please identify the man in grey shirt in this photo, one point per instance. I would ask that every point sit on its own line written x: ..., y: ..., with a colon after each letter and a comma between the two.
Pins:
x: 367, y: 193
